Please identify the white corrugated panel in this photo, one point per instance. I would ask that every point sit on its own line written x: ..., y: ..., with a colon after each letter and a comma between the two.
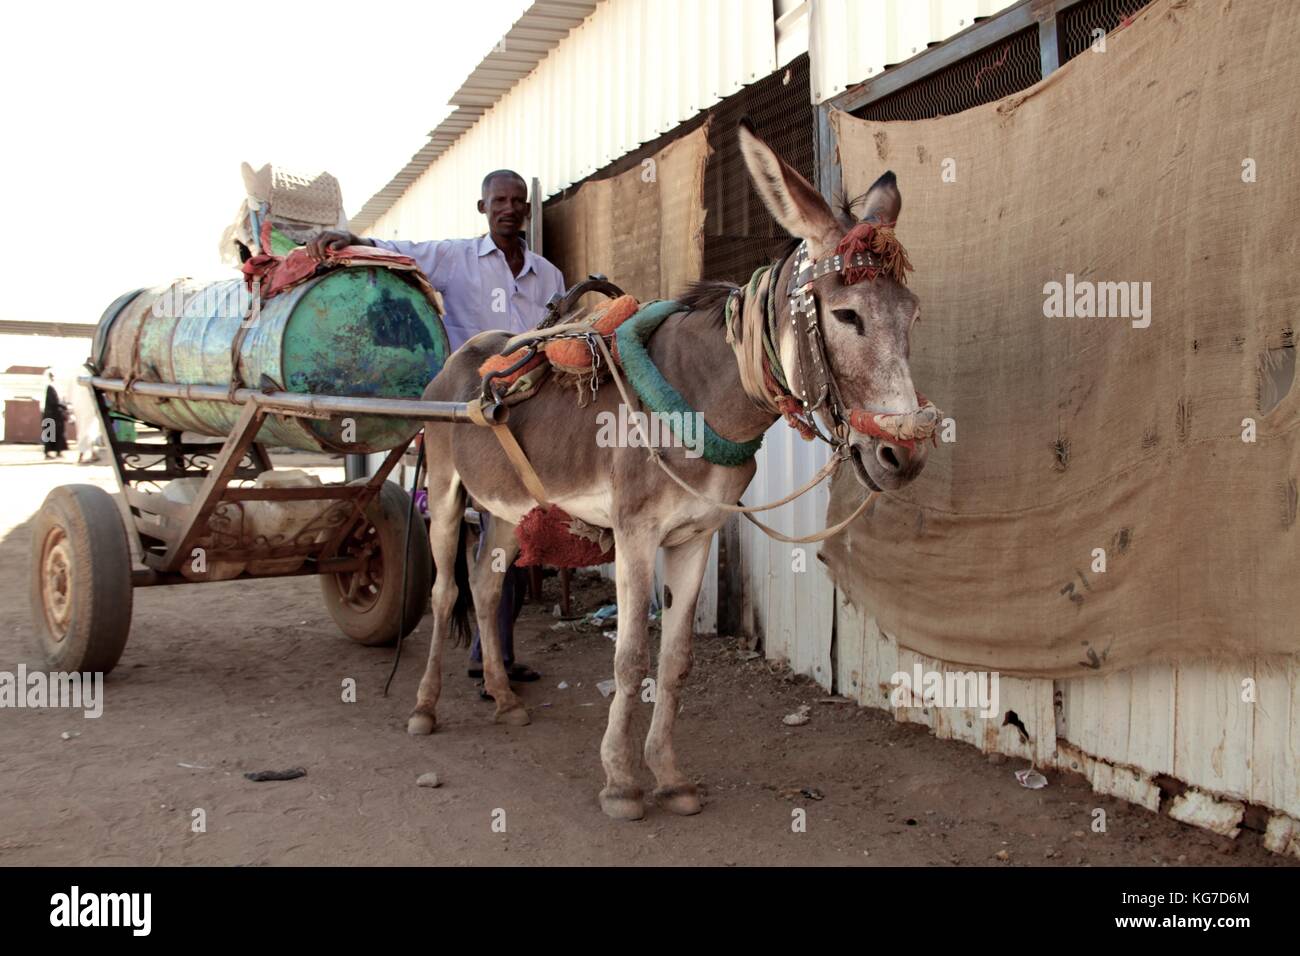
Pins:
x: 851, y: 41
x: 788, y: 594
x: 630, y: 72
x: 1190, y: 721
x: 1122, y: 731
x: 791, y: 29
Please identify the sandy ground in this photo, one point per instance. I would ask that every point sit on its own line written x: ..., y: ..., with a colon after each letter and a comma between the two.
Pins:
x: 235, y: 677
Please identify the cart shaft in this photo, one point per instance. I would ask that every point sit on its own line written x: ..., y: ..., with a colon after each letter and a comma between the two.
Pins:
x: 290, y: 403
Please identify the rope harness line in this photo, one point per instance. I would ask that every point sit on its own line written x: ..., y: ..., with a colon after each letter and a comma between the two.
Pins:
x: 817, y: 479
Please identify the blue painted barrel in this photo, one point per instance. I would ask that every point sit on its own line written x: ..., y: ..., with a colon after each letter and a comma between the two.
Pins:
x: 361, y: 331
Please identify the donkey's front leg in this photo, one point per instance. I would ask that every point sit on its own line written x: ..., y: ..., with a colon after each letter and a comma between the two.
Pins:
x: 683, y: 571
x: 634, y: 576
x: 446, y: 511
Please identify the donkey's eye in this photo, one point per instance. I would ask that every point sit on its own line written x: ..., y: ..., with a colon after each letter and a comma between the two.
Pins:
x: 849, y: 317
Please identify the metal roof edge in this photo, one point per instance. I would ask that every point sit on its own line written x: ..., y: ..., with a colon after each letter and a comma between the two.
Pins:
x: 538, y: 30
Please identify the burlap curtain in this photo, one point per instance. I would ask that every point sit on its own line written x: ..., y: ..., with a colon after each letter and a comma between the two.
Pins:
x: 643, y: 228
x: 1171, y: 158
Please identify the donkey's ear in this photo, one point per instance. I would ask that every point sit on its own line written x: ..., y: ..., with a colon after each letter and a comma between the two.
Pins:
x: 790, y: 198
x: 883, y: 200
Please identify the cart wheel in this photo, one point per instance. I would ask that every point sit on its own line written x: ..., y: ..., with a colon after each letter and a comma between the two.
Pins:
x: 365, y: 604
x: 81, y: 580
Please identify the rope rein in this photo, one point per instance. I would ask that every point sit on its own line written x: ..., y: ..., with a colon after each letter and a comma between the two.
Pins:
x: 817, y: 479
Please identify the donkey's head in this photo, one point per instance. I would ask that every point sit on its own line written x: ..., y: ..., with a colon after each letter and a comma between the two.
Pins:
x: 865, y: 322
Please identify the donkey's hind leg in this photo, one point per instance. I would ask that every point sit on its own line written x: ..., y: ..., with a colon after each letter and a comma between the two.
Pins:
x: 487, y: 580
x: 446, y: 512
x: 683, y: 571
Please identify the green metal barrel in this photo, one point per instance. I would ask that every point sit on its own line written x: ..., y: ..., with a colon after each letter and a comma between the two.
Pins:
x: 356, y: 332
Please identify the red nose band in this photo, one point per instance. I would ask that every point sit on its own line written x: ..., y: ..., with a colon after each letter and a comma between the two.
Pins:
x: 900, y: 428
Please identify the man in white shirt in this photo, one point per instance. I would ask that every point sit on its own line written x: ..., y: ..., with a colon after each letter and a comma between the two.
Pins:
x: 492, y: 282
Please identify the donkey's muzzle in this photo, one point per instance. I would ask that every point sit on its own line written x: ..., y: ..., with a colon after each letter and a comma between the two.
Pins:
x: 898, y: 463
x: 892, y: 447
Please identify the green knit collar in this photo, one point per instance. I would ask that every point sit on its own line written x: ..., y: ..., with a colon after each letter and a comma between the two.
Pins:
x: 658, y: 394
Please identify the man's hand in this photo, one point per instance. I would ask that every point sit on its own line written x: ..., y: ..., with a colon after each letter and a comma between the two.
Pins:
x: 321, y: 243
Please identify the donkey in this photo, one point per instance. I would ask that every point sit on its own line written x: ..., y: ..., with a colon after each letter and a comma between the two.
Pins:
x: 864, y: 327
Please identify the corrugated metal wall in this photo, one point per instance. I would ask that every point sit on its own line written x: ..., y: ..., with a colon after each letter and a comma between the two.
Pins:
x: 788, y: 597
x: 854, y: 40
x: 632, y: 71
x: 635, y: 69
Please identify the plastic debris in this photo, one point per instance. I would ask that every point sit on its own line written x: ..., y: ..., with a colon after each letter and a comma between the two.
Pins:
x: 69, y: 734
x: 798, y: 718
x: 612, y: 635
x: 604, y: 615
x: 193, y: 766
x: 562, y: 685
x: 748, y: 655
x: 1031, y: 779
x: 606, y: 687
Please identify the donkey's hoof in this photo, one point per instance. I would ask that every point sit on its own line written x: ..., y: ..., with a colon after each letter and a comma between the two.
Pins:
x: 421, y: 725
x: 683, y: 799
x: 515, y: 716
x: 621, y: 803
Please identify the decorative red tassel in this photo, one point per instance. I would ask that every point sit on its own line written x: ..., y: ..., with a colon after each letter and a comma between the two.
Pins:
x: 857, y: 241
x: 878, y: 239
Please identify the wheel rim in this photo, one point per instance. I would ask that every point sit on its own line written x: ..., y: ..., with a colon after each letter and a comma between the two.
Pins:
x: 56, y: 582
x: 361, y: 590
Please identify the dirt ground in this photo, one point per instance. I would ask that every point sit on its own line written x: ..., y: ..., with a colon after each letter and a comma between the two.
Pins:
x: 236, y: 677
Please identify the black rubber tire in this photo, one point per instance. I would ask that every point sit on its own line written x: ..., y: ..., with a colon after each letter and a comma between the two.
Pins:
x: 377, y: 624
x: 80, y: 580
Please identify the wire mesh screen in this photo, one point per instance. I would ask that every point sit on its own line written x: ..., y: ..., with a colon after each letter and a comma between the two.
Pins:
x: 739, y: 233
x: 1075, y: 27
x: 983, y: 77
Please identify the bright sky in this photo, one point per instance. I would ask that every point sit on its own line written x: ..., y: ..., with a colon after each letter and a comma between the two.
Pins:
x: 124, y: 125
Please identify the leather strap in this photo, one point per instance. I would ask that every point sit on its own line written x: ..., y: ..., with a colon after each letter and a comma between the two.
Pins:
x: 518, y: 460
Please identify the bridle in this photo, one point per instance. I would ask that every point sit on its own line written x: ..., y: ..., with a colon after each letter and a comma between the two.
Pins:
x: 820, y: 391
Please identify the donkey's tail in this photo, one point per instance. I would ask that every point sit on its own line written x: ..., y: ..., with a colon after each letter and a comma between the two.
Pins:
x: 461, y: 630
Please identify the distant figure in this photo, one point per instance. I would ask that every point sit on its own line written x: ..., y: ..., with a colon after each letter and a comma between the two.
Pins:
x: 89, y: 431
x: 55, y: 439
